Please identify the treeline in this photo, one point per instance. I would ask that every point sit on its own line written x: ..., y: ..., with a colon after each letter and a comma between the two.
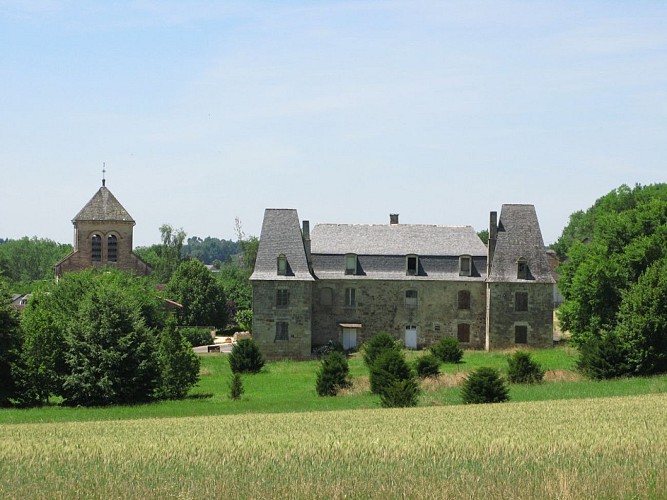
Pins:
x: 614, y: 281
x: 30, y: 259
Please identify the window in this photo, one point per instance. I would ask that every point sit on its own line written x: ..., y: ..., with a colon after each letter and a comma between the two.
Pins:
x: 463, y: 332
x: 465, y: 265
x: 351, y: 264
x: 522, y: 269
x: 520, y: 334
x: 282, y: 297
x: 411, y: 298
x: 96, y: 248
x: 282, y: 330
x: 112, y: 248
x: 326, y: 296
x: 282, y: 265
x: 412, y: 264
x: 463, y: 300
x: 350, y: 297
x: 521, y: 301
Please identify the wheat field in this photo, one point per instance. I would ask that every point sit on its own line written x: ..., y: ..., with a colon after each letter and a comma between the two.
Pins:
x: 585, y: 448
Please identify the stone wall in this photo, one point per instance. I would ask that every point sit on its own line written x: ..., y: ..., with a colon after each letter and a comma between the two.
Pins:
x: 81, y: 258
x: 297, y: 314
x: 381, y: 307
x: 503, y: 318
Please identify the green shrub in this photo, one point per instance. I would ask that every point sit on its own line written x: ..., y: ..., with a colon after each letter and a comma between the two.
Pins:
x: 448, y: 350
x: 484, y: 385
x: 179, y: 365
x: 377, y: 344
x: 400, y: 394
x: 333, y: 374
x: 428, y: 366
x: 522, y: 369
x: 602, y: 358
x: 246, y: 357
x: 196, y: 336
x: 389, y: 366
x: 236, y: 387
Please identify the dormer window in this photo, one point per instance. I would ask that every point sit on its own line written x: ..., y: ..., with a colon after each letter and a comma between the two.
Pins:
x: 282, y: 265
x: 351, y: 264
x: 412, y: 265
x: 522, y: 269
x: 465, y: 265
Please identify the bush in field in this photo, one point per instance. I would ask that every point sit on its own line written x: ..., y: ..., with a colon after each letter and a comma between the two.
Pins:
x: 246, y: 357
x: 428, y: 366
x: 179, y: 365
x: 196, y: 336
x: 484, y: 385
x: 522, y: 369
x: 389, y: 366
x: 448, y: 350
x: 333, y: 375
x: 602, y: 358
x: 376, y: 345
x: 400, y: 394
x: 236, y: 389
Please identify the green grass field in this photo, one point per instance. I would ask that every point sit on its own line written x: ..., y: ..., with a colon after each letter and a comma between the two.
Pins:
x: 289, y: 386
x: 565, y: 438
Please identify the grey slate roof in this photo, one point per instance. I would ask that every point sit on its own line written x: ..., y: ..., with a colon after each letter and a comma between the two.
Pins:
x: 103, y: 206
x: 396, y: 239
x: 281, y: 234
x: 519, y: 236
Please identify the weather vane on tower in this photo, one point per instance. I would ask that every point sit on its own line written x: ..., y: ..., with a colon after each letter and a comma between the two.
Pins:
x: 104, y: 171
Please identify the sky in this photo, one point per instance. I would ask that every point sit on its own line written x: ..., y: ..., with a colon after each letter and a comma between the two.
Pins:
x: 206, y: 111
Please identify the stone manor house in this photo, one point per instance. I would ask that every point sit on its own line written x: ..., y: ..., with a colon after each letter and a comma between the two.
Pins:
x: 347, y: 282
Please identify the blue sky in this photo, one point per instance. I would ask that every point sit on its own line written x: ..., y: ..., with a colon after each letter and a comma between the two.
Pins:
x: 440, y: 111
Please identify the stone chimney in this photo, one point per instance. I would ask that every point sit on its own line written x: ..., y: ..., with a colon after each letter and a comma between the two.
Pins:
x: 305, y: 234
x: 393, y: 219
x: 493, y: 237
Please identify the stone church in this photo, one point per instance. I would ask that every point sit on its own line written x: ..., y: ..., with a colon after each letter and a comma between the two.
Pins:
x: 347, y: 282
x: 103, y: 232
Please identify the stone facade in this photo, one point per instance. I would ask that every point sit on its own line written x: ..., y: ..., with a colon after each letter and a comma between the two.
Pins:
x: 103, y: 232
x: 419, y: 283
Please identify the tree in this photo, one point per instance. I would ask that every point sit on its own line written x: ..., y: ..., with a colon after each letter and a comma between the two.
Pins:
x: 110, y: 354
x: 522, y: 369
x: 10, y: 341
x: 376, y: 345
x: 202, y: 297
x: 484, y: 385
x: 642, y: 322
x: 428, y: 366
x: 249, y: 246
x: 236, y: 389
x: 610, y: 249
x: 333, y: 374
x: 448, y: 350
x: 389, y: 366
x: 179, y: 365
x: 245, y: 357
x: 165, y: 257
x: 30, y: 259
x: 55, y: 310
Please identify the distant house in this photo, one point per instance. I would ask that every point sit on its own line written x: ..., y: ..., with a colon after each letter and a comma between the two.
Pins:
x: 103, y: 232
x: 20, y: 301
x: 346, y: 282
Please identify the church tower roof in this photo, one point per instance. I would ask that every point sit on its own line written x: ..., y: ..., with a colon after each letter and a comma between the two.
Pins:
x: 103, y: 207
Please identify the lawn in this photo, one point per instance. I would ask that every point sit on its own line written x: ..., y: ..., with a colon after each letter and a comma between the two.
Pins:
x: 289, y: 386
